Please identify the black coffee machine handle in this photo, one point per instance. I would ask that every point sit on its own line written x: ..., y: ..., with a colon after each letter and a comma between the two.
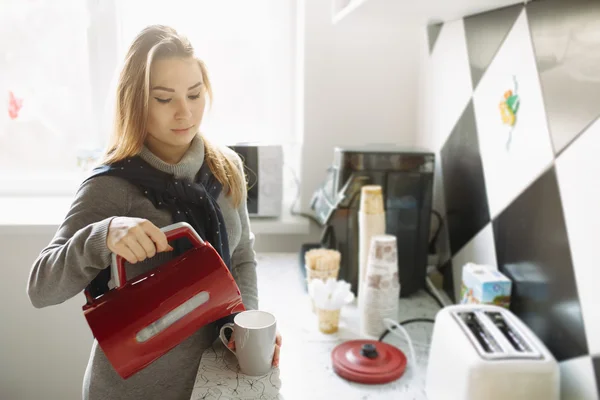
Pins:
x: 327, y: 239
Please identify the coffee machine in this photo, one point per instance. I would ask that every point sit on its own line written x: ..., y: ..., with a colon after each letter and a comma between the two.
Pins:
x: 406, y: 178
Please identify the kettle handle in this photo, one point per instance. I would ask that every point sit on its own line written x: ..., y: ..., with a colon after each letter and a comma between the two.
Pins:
x: 173, y: 232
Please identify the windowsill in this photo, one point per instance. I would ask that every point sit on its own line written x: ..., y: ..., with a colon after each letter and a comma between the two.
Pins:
x: 43, y: 215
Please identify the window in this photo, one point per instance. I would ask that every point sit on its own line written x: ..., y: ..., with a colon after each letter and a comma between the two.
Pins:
x: 60, y: 59
x: 45, y: 85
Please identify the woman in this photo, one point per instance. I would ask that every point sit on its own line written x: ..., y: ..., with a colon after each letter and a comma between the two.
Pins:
x: 161, y: 97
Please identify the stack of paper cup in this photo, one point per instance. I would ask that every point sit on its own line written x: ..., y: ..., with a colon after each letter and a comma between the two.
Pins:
x: 382, y: 289
x: 371, y: 222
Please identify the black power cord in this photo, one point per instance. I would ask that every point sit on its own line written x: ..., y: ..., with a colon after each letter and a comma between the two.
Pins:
x: 432, y: 243
x: 406, y: 322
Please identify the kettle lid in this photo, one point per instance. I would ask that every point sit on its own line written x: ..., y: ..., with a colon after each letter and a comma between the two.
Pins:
x: 368, y: 361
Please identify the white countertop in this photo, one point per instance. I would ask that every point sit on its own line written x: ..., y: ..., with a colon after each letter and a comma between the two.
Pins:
x: 306, y: 371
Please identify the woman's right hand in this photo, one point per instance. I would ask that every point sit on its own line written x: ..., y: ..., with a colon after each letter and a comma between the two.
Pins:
x: 135, y: 239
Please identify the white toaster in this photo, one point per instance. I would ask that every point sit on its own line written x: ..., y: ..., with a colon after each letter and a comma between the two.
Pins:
x: 484, y: 352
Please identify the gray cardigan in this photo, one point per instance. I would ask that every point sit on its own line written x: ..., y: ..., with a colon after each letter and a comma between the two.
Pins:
x: 78, y: 251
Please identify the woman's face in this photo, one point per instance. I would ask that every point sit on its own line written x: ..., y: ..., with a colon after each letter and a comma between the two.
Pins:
x: 175, y: 106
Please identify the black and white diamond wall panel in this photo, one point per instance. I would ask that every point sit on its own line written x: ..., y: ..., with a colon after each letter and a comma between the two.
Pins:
x: 566, y: 40
x: 433, y: 32
x: 532, y: 249
x: 466, y: 199
x: 578, y: 169
x: 480, y: 250
x: 529, y: 78
x: 597, y: 367
x: 485, y: 33
x: 514, y: 151
x: 450, y: 81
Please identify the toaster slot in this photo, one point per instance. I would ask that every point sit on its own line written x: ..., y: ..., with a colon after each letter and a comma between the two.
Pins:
x: 496, y: 334
x: 478, y: 331
x: 511, y: 335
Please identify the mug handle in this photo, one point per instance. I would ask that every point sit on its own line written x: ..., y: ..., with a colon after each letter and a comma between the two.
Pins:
x: 228, y: 325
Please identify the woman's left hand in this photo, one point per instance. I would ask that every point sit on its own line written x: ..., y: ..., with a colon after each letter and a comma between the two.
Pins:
x: 277, y: 349
x: 231, y: 345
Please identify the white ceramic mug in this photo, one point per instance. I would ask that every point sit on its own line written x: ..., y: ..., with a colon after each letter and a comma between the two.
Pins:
x: 254, y: 335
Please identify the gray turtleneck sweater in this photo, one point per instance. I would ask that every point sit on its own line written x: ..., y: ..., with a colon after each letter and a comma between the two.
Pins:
x: 78, y: 252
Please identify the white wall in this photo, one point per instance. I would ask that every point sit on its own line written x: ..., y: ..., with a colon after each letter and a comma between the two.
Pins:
x: 360, y: 83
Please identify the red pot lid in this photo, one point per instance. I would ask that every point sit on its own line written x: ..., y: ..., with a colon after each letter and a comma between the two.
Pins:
x: 368, y: 361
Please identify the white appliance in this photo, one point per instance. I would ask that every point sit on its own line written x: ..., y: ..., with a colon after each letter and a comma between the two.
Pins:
x: 484, y: 352
x: 264, y: 170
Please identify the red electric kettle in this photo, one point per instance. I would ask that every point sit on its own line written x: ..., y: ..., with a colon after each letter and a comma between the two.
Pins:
x: 139, y: 320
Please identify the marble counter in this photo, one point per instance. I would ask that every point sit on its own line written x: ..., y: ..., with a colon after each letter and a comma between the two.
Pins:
x: 305, y: 365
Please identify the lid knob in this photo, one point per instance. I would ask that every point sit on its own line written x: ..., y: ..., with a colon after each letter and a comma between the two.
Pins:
x: 369, y: 350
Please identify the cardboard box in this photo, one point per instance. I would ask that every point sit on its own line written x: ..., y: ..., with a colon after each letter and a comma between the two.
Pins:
x: 482, y: 284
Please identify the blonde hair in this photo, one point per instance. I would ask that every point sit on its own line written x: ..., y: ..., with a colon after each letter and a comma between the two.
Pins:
x: 131, y: 110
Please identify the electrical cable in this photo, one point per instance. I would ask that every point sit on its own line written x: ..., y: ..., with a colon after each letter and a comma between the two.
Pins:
x: 437, y: 300
x: 434, y: 238
x: 406, y: 322
x: 413, y: 320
